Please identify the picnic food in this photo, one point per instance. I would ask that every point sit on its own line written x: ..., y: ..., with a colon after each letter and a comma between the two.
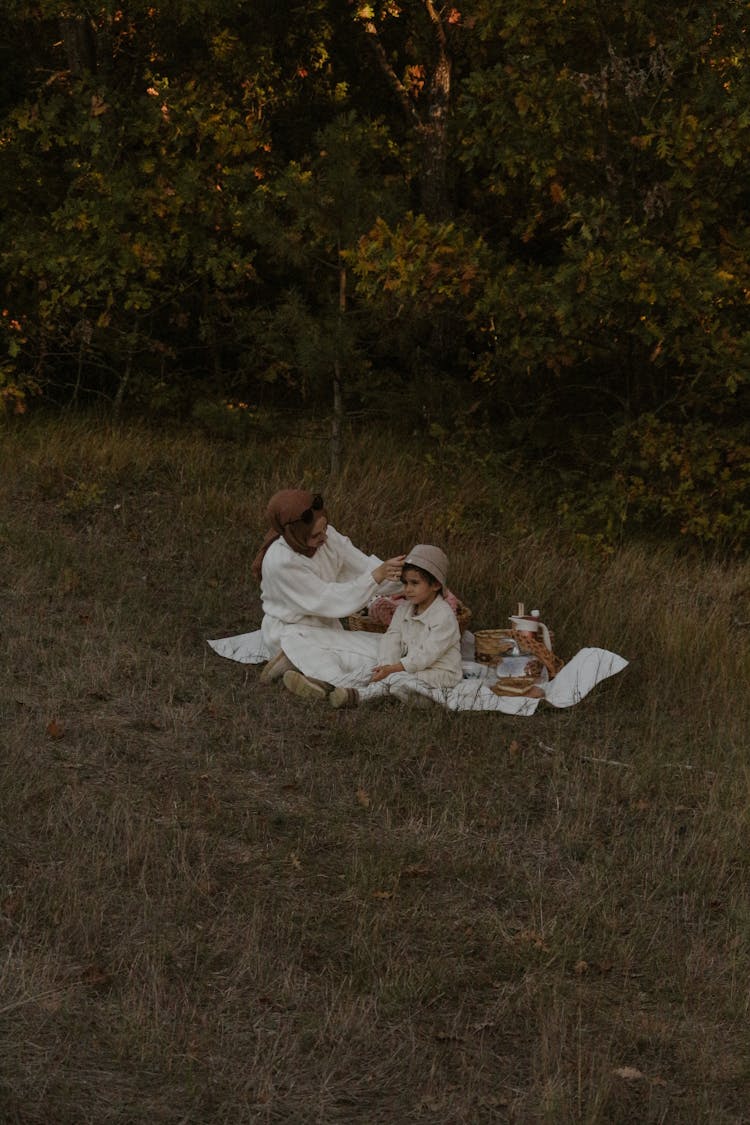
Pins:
x: 513, y: 685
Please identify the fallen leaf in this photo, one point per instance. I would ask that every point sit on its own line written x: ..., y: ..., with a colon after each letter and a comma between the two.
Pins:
x: 95, y: 975
x: 51, y: 1002
x: 628, y: 1072
x: 363, y: 798
x: 416, y: 869
x: 580, y: 968
x: 382, y: 894
x: 68, y: 581
x: 241, y: 855
x: 55, y: 729
x: 531, y: 937
x: 10, y: 905
x: 513, y: 749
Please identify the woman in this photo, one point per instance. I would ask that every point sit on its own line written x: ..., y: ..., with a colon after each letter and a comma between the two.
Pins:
x: 310, y: 576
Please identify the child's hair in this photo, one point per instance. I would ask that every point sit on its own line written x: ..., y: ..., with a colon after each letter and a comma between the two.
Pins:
x: 425, y: 574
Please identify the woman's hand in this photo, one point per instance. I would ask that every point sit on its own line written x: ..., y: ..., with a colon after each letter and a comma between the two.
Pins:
x: 390, y: 569
x: 381, y: 671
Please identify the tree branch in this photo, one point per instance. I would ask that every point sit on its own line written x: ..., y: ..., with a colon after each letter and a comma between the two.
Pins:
x: 437, y: 23
x: 393, y: 79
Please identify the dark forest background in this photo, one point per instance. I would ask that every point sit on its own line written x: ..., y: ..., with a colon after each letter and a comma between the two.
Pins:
x: 523, y: 226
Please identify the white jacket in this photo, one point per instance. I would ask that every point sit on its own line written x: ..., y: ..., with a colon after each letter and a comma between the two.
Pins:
x: 428, y: 644
x: 296, y: 590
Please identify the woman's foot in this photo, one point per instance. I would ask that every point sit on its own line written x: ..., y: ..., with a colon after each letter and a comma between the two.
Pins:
x: 276, y: 667
x: 303, y: 686
x: 344, y: 697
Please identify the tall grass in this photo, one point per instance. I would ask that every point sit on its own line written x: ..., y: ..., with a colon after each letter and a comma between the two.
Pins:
x: 220, y: 905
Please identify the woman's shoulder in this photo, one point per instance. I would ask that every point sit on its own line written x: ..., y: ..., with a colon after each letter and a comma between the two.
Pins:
x: 281, y: 557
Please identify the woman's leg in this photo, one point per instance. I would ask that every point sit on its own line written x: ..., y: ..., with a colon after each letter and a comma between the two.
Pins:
x: 276, y: 667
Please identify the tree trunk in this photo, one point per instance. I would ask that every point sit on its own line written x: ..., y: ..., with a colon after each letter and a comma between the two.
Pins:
x: 122, y: 386
x: 78, y: 40
x: 433, y: 134
x: 337, y: 418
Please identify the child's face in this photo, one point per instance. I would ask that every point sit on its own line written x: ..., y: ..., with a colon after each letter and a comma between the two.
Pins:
x: 420, y: 591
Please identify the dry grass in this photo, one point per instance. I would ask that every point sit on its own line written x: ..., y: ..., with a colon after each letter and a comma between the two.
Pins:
x: 219, y: 905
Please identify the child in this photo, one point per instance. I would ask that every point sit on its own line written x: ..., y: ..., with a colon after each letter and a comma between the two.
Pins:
x: 422, y: 644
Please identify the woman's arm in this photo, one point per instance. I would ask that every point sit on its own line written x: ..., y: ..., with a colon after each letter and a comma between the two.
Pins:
x: 355, y: 561
x: 291, y: 587
x: 352, y: 559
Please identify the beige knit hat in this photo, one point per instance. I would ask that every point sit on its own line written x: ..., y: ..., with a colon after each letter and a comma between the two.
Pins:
x: 428, y: 558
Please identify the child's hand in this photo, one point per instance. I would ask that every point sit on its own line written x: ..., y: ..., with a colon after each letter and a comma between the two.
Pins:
x: 382, y: 670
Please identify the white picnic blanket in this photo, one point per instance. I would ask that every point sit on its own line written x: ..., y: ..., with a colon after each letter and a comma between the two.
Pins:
x: 344, y: 658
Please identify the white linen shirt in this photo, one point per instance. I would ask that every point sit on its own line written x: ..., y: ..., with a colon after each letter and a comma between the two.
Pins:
x: 296, y: 590
x: 427, y: 644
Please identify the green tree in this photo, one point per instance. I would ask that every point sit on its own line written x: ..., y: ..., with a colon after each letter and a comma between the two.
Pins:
x: 130, y: 163
x: 309, y: 216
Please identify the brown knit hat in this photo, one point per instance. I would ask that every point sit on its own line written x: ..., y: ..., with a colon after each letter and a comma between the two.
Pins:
x: 428, y: 558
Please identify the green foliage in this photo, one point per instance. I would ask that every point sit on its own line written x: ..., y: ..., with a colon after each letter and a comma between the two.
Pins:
x: 307, y: 219
x: 228, y: 418
x: 687, y: 480
x: 83, y: 497
x: 420, y: 265
x: 136, y: 256
x: 211, y: 201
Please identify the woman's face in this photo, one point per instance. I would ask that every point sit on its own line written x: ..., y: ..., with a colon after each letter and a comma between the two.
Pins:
x: 318, y: 532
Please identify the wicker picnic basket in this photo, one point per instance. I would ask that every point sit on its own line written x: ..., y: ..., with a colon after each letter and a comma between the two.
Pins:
x: 362, y: 623
x: 492, y: 644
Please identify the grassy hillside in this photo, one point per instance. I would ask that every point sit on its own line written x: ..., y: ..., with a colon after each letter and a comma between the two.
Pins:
x: 219, y: 904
